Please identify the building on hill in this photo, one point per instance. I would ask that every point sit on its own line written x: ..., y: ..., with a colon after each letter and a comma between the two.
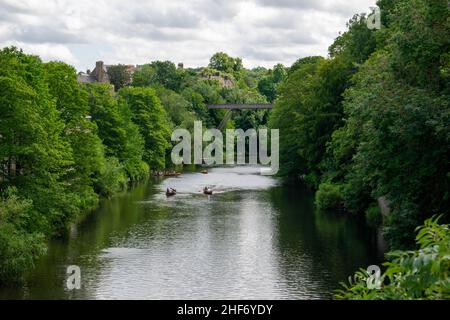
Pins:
x: 100, y: 73
x: 224, y: 80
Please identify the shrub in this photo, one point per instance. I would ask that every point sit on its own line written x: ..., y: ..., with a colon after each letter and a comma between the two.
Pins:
x: 112, y: 178
x: 419, y: 274
x: 19, y: 249
x: 329, y: 197
x: 18, y: 252
x: 137, y: 170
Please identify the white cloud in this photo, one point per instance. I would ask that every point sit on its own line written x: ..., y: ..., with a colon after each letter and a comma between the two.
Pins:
x: 47, y: 52
x: 262, y: 32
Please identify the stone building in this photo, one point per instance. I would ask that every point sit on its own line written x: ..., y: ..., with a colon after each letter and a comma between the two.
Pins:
x: 100, y: 73
x: 224, y: 80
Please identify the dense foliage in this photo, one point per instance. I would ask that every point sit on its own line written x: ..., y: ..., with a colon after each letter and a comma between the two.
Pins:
x: 372, y: 121
x: 368, y: 123
x: 36, y: 159
x: 119, y: 76
x: 418, y: 274
x: 150, y: 116
x: 64, y: 144
x: 268, y: 85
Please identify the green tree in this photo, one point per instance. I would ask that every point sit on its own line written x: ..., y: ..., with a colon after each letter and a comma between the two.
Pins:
x: 356, y: 44
x: 117, y: 130
x: 119, y: 76
x: 20, y: 245
x: 253, y: 77
x: 134, y: 148
x: 144, y: 76
x: 197, y: 105
x: 419, y: 42
x: 105, y: 112
x: 202, y: 93
x: 87, y: 148
x: 287, y: 109
x: 177, y: 108
x: 397, y: 121
x: 36, y: 158
x: 269, y: 84
x: 150, y: 116
x: 223, y: 62
x: 397, y: 105
x: 167, y: 75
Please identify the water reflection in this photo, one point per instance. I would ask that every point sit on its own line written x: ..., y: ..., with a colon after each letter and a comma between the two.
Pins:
x: 253, y: 239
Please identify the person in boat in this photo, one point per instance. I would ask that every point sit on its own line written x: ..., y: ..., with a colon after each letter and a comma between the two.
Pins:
x: 171, y: 191
x: 206, y: 190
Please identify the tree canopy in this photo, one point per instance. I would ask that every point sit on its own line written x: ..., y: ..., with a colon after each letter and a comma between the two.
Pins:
x: 371, y: 122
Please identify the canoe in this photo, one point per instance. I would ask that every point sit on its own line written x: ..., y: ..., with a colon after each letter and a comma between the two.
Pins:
x: 208, y: 192
x: 205, y: 171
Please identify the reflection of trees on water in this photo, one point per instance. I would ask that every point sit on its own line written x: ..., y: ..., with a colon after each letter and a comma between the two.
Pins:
x: 83, y: 244
x: 322, y: 248
x: 272, y: 241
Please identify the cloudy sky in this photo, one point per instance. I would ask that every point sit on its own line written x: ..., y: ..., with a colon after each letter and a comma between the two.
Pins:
x: 262, y: 32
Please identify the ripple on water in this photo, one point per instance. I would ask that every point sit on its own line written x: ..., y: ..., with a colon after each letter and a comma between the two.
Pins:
x: 251, y: 240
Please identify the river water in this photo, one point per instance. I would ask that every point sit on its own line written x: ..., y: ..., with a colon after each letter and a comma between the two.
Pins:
x: 252, y: 239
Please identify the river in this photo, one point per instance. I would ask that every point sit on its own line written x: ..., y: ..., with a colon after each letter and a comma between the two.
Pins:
x: 252, y: 239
